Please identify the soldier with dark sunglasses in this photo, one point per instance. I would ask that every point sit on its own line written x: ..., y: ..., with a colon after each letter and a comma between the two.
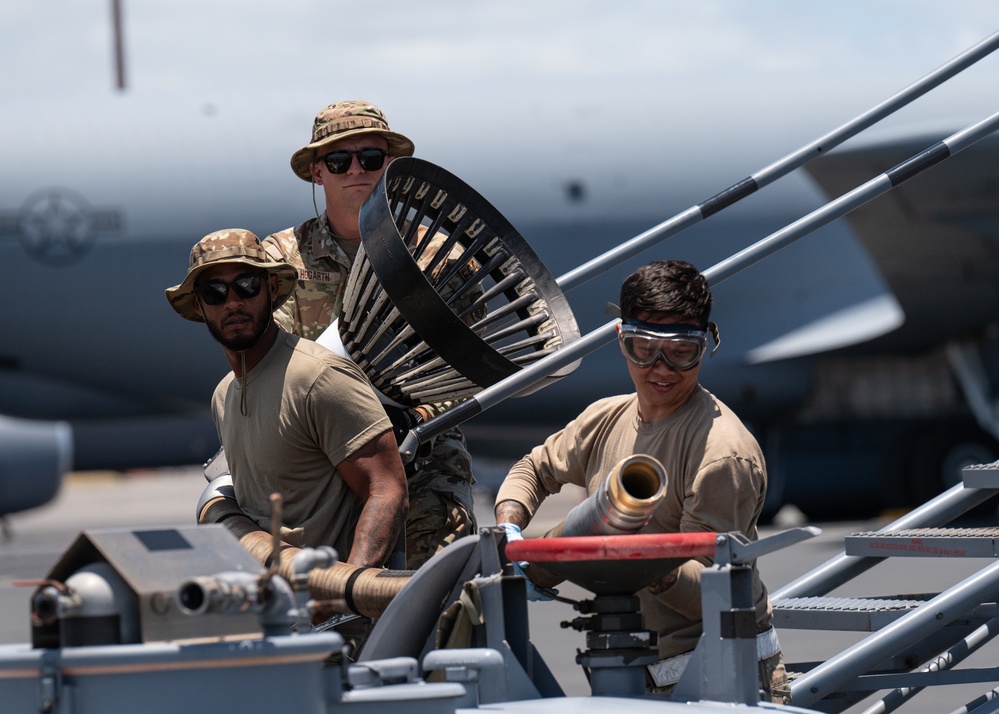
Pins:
x: 351, y: 146
x: 716, y: 476
x: 293, y: 417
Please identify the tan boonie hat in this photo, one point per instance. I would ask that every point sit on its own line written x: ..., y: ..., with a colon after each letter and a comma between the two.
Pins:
x: 232, y: 245
x: 343, y: 119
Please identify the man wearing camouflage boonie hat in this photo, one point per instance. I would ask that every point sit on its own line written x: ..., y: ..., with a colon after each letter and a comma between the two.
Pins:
x: 291, y: 401
x: 350, y: 146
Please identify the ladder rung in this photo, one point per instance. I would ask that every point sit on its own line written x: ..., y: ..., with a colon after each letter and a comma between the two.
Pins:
x: 840, y: 613
x: 981, y: 475
x: 926, y: 542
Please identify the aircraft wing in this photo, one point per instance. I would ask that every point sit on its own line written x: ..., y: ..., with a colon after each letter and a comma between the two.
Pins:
x: 35, y: 456
x: 935, y: 238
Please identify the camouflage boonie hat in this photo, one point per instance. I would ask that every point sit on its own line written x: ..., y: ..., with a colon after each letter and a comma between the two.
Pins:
x: 232, y: 245
x: 343, y: 119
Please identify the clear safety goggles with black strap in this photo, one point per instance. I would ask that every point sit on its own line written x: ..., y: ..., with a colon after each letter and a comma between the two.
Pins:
x: 679, y: 346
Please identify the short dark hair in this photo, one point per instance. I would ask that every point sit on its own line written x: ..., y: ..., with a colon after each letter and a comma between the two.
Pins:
x: 667, y: 289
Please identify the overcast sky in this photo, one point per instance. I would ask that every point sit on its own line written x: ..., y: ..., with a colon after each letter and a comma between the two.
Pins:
x: 193, y: 45
x: 700, y: 82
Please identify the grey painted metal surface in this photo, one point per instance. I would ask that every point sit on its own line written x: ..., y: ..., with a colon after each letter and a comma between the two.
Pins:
x: 841, y: 613
x: 926, y: 543
x: 168, y: 666
x: 913, y: 646
x: 938, y: 511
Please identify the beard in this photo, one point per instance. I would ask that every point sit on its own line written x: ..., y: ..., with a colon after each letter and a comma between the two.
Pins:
x: 258, y: 324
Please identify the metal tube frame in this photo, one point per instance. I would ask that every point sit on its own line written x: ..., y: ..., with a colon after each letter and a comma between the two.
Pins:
x: 778, y: 169
x: 939, y: 511
x: 953, y: 656
x: 828, y: 677
x: 529, y: 376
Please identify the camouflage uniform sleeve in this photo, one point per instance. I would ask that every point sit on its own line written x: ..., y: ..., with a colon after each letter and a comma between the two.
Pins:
x: 283, y: 315
x: 274, y: 245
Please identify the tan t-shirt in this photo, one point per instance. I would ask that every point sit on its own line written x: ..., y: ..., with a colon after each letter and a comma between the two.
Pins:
x: 307, y: 410
x: 716, y: 482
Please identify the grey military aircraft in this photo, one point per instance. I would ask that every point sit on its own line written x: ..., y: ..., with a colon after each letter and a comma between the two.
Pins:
x: 832, y: 351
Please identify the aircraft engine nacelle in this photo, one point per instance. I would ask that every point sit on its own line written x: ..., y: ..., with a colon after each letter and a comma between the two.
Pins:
x: 35, y: 456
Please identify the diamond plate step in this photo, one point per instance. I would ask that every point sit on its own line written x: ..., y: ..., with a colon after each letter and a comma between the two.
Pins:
x: 926, y: 543
x: 840, y: 613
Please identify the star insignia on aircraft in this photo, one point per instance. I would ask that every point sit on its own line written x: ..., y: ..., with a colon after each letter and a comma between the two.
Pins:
x: 58, y: 226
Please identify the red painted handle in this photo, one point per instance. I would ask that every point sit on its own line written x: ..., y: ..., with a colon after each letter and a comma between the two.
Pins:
x: 642, y: 546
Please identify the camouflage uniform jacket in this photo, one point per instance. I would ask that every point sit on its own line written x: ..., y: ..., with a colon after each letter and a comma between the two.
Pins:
x: 322, y: 277
x: 323, y: 268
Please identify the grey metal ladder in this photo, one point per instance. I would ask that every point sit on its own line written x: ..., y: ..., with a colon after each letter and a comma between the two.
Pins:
x: 915, y: 640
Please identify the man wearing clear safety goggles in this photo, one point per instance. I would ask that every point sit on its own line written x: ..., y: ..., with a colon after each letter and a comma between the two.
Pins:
x: 715, y: 471
x: 664, y: 356
x: 679, y: 346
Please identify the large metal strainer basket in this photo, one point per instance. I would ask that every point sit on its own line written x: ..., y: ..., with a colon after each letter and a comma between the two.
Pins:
x: 445, y: 297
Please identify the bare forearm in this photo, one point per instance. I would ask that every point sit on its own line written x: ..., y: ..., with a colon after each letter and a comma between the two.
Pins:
x: 377, y: 530
x: 512, y: 512
x: 374, y: 473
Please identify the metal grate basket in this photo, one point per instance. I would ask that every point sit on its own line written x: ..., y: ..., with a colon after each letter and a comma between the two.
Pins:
x: 445, y: 297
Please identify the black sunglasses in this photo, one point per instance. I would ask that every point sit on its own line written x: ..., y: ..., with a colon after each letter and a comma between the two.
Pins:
x: 215, y: 292
x: 370, y: 160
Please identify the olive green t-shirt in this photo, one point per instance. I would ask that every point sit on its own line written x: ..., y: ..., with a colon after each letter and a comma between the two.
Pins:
x: 307, y: 410
x: 716, y: 482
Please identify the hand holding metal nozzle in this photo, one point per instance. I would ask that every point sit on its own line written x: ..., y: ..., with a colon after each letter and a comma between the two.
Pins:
x: 365, y: 591
x: 623, y: 504
x: 281, y: 594
x: 301, y: 563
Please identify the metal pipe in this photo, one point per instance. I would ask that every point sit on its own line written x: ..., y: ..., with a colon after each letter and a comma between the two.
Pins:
x: 365, y: 591
x: 228, y: 594
x: 975, y: 704
x: 527, y: 377
x: 118, y: 45
x: 232, y: 593
x: 776, y: 170
x: 955, y: 655
x: 623, y: 503
x: 839, y: 207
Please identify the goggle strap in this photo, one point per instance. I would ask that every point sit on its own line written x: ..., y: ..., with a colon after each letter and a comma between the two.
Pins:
x: 659, y: 327
x: 713, y: 329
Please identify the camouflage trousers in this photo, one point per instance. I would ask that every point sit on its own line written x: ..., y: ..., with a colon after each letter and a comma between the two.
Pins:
x: 773, y: 671
x: 440, y: 498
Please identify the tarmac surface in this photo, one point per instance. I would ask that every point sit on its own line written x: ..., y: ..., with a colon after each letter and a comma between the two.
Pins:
x: 166, y: 497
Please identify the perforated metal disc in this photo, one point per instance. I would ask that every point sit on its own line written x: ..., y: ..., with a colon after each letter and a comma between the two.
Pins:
x: 445, y: 297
